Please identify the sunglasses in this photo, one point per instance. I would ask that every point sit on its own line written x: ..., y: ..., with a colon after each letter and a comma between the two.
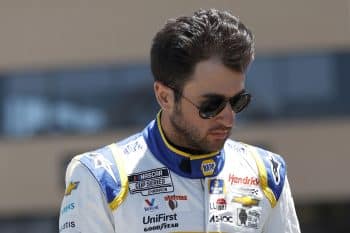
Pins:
x: 215, y: 104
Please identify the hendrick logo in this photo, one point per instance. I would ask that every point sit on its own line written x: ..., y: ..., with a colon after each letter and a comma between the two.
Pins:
x: 243, y: 180
x: 151, y: 182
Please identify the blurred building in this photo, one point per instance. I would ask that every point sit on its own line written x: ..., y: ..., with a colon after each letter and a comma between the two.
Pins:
x: 74, y: 77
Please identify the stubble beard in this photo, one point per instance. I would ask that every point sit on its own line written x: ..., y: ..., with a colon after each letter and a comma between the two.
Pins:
x: 190, y: 137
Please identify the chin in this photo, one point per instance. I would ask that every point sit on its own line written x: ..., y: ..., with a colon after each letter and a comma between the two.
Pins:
x: 216, y: 146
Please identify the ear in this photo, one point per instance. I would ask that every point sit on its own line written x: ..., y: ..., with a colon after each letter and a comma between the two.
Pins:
x: 164, y: 95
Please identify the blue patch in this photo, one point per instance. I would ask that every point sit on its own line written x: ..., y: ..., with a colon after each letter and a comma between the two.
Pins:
x: 216, y: 186
x: 102, y: 166
x: 276, y: 171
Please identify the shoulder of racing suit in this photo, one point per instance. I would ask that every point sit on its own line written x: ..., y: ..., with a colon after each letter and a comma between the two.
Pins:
x: 272, y: 172
x: 106, y: 166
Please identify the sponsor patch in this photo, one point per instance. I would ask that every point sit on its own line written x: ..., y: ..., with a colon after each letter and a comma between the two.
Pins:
x: 246, y: 201
x: 159, y: 222
x: 247, y: 191
x: 221, y: 219
x: 219, y: 204
x: 275, y: 166
x: 151, y: 182
x: 67, y: 208
x: 101, y: 162
x: 233, y: 179
x: 249, y: 218
x: 173, y: 200
x: 216, y: 186
x: 71, y: 186
x: 208, y: 167
x: 175, y: 197
x: 150, y: 205
x: 67, y: 225
x: 132, y: 147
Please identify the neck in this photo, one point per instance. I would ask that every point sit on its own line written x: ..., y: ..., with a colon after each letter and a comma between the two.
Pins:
x: 170, y: 132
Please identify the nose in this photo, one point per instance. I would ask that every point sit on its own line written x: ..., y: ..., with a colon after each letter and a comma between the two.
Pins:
x: 227, y: 116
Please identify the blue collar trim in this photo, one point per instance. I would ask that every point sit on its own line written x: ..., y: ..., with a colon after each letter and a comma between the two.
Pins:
x: 180, y: 162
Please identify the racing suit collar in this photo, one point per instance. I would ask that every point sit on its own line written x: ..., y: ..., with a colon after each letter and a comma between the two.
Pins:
x: 182, y: 163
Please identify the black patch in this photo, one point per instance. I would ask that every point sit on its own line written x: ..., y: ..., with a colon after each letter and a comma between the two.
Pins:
x: 151, y: 182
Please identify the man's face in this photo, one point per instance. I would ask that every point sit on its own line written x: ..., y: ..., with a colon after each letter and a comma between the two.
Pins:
x: 211, y: 79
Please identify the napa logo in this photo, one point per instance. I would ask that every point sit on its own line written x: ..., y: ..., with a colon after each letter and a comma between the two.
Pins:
x: 208, y: 167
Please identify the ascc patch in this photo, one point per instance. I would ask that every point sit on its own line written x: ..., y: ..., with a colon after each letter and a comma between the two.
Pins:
x: 151, y: 182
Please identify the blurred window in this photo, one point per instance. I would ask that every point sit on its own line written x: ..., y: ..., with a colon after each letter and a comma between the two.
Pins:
x: 93, y: 99
x: 77, y: 101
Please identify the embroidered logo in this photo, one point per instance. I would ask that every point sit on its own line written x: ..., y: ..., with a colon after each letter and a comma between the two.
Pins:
x: 249, y: 218
x: 151, y: 206
x: 216, y: 186
x: 233, y: 179
x: 72, y: 186
x: 151, y: 182
x: 208, y: 167
x: 275, y: 167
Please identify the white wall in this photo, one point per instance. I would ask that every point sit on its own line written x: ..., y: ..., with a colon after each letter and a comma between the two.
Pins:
x: 42, y: 33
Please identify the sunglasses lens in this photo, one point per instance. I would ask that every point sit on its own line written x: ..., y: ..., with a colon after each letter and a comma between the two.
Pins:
x: 212, y: 107
x: 240, y: 102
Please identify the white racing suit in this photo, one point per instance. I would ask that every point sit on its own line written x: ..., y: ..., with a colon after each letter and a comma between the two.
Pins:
x: 143, y: 184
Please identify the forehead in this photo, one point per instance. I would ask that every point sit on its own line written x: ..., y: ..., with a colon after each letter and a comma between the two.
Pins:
x: 211, y: 76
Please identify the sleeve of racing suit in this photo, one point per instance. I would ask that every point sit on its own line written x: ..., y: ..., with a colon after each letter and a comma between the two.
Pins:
x: 84, y: 208
x: 283, y: 217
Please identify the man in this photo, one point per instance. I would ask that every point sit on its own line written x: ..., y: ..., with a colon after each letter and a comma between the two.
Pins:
x: 182, y: 173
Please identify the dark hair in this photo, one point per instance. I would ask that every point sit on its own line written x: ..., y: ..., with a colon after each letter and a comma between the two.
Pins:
x: 185, y: 41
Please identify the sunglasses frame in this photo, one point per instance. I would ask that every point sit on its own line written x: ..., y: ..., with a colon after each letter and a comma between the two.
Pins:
x: 234, y: 100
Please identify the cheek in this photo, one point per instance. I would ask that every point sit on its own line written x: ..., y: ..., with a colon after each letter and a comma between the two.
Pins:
x: 191, y: 116
x: 202, y: 126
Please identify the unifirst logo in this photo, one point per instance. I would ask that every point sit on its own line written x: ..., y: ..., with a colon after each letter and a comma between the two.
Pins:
x: 208, y: 167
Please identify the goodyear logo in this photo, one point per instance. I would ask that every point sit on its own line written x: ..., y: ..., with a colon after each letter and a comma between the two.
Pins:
x: 72, y: 186
x: 208, y: 167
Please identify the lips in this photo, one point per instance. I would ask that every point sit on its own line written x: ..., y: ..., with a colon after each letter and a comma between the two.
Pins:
x: 222, y: 134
